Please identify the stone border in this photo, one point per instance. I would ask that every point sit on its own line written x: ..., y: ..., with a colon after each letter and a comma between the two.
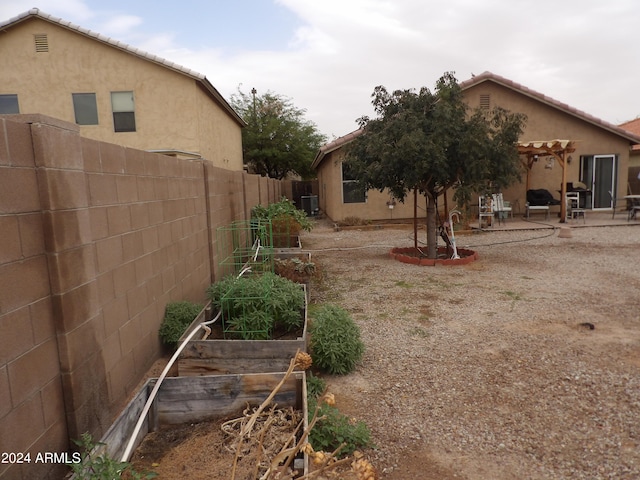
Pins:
x: 402, y: 255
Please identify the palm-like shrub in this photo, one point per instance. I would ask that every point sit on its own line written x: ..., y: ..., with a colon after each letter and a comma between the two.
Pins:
x: 178, y: 316
x: 336, y: 346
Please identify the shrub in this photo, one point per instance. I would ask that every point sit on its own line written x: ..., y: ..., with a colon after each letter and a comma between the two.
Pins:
x: 294, y: 269
x: 100, y: 466
x: 315, y: 386
x: 353, y: 222
x: 177, y: 317
x: 334, y: 428
x: 253, y: 306
x: 284, y: 216
x: 336, y: 346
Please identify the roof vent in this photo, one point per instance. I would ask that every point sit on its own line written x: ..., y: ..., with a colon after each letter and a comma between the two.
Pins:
x: 485, y: 101
x: 42, y: 42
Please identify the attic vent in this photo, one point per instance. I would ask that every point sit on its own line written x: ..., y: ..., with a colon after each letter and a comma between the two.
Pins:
x: 42, y: 43
x: 485, y: 101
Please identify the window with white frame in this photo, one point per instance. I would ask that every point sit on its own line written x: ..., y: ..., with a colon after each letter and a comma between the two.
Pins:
x: 352, y: 191
x: 123, y: 107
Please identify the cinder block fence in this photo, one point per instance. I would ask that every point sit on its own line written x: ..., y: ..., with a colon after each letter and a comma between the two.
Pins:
x: 95, y: 240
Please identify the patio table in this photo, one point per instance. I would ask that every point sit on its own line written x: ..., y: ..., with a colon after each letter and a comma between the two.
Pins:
x: 635, y: 205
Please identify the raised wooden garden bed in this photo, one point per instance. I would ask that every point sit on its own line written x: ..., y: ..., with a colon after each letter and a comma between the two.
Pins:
x: 296, y: 266
x: 284, y: 241
x: 219, y: 356
x: 182, y: 400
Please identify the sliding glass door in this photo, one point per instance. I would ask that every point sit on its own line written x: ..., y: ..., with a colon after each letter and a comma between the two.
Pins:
x: 599, y: 174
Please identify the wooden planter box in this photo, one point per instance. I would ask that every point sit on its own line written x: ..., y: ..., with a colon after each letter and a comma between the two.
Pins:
x: 222, y: 357
x: 301, y: 278
x: 284, y: 241
x: 195, y: 399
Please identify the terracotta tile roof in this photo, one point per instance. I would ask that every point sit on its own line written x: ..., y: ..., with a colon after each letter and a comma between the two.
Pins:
x: 200, y: 78
x: 624, y: 131
x: 632, y: 126
x: 334, y: 145
x: 633, y: 137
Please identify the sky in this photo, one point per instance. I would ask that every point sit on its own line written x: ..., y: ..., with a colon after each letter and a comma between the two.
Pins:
x: 327, y: 56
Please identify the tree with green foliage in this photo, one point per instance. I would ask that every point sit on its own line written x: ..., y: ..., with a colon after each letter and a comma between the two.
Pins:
x: 428, y: 142
x: 277, y: 140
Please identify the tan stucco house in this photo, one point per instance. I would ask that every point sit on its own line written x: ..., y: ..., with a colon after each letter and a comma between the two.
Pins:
x: 115, y: 92
x: 599, y: 164
x: 633, y: 126
x: 339, y: 197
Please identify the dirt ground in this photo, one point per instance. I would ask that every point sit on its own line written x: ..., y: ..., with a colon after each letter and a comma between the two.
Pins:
x: 524, y: 364
x: 202, y: 451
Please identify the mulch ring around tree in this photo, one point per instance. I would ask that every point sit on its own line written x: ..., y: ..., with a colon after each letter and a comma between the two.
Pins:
x: 417, y: 256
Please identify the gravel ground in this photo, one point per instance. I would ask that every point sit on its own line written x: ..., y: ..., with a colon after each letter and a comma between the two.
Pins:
x: 485, y: 371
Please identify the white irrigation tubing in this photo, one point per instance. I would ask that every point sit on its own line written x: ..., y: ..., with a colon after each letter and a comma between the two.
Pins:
x: 152, y: 396
x: 339, y: 249
x: 125, y: 456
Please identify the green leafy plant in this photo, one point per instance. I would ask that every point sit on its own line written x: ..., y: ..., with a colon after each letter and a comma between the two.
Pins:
x: 336, y: 346
x: 177, y: 317
x: 295, y: 269
x: 96, y: 466
x: 315, y: 386
x: 253, y: 306
x: 287, y: 302
x: 334, y: 428
x: 284, y: 216
x: 251, y: 324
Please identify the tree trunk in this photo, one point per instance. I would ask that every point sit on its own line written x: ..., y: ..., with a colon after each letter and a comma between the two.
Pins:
x: 415, y: 218
x: 432, y: 227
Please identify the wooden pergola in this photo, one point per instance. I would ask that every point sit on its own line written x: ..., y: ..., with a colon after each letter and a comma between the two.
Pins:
x: 558, y: 149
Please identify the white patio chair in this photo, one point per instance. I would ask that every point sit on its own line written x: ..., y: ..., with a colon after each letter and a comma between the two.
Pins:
x: 573, y: 209
x: 485, y: 210
x: 501, y: 208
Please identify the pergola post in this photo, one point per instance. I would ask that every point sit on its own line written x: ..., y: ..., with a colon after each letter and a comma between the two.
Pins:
x: 551, y: 148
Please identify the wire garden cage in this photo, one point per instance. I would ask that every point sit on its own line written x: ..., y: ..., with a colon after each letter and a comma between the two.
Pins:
x: 245, y: 245
x: 246, y: 250
x: 244, y: 305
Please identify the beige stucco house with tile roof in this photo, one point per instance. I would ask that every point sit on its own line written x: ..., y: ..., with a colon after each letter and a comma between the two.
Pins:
x: 115, y: 92
x: 633, y: 126
x: 600, y: 162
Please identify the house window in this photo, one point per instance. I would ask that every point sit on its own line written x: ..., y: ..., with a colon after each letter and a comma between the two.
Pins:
x: 85, y: 108
x: 485, y: 101
x: 9, y: 104
x: 42, y: 42
x: 352, y: 192
x: 124, y: 117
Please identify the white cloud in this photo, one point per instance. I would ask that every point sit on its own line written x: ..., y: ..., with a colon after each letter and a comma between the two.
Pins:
x: 120, y: 25
x: 578, y: 52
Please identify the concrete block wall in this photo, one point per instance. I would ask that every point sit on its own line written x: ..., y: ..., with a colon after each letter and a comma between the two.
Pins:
x: 31, y: 390
x: 96, y: 240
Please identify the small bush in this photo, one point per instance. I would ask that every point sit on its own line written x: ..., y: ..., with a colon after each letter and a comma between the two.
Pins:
x: 284, y: 216
x: 178, y: 316
x: 334, y: 428
x: 100, y: 466
x: 353, y: 222
x: 336, y: 346
x: 315, y: 386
